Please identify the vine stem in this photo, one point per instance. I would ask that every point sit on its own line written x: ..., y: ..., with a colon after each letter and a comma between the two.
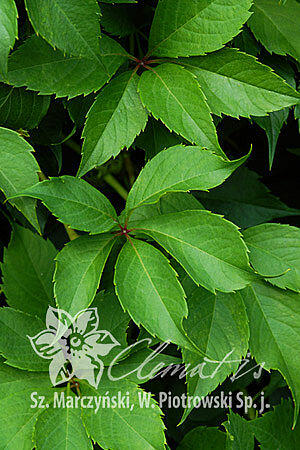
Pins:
x: 113, y: 182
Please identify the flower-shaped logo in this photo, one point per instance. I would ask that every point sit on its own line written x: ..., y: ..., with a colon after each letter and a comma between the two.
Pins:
x: 73, y: 345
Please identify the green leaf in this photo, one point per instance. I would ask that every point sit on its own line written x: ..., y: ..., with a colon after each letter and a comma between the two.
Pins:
x: 20, y: 108
x: 203, y: 438
x: 113, y: 319
x: 78, y: 108
x: 119, y: 428
x: 272, y: 125
x: 215, y: 261
x: 27, y: 269
x: 16, y: 415
x: 246, y: 201
x: 15, y: 153
x: 15, y: 346
x: 9, y: 31
x: 239, y: 431
x: 173, y: 95
x: 148, y: 289
x: 79, y: 267
x: 119, y: 20
x: 75, y: 203
x: 70, y: 25
x: 273, y: 429
x: 218, y: 325
x: 185, y: 28
x: 275, y: 249
x: 39, y: 67
x: 113, y: 122
x: 61, y: 428
x: 178, y: 201
x: 184, y: 169
x: 276, y: 26
x: 274, y: 317
x: 237, y: 84
x: 156, y: 138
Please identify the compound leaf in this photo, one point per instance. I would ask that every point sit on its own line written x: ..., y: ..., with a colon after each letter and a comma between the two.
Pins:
x: 275, y: 249
x: 70, y: 25
x: 75, y: 202
x: 185, y: 27
x: 184, y: 169
x: 15, y: 152
x: 237, y: 84
x: 79, y: 267
x: 113, y: 122
x: 173, y: 95
x: 148, y: 289
x: 28, y: 266
x: 208, y: 247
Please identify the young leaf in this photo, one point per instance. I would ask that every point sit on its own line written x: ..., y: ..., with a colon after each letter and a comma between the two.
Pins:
x: 215, y: 260
x: 15, y: 327
x: 15, y: 152
x: 9, y: 31
x: 237, y: 84
x: 183, y: 169
x: 148, y: 289
x: 207, y: 315
x: 272, y: 125
x: 16, y: 388
x: 75, y: 202
x: 185, y: 28
x: 109, y: 427
x: 244, y: 200
x: 70, y: 25
x: 203, y: 438
x: 39, y: 67
x: 28, y: 266
x: 61, y: 428
x: 276, y: 26
x: 79, y: 267
x: 173, y: 95
x: 20, y: 108
x: 113, y: 122
x: 274, y: 317
x: 275, y: 249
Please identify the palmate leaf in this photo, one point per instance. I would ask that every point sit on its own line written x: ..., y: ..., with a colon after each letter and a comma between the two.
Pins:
x: 27, y: 269
x: 8, y: 31
x: 17, y: 418
x: 15, y: 152
x: 244, y: 200
x: 276, y: 26
x: 61, y: 428
x: 20, y: 108
x: 208, y: 247
x: 274, y: 317
x: 39, y: 67
x: 15, y: 327
x: 275, y: 249
x: 237, y: 84
x: 120, y: 428
x: 183, y: 169
x: 70, y: 25
x: 79, y: 267
x: 195, y: 27
x: 218, y: 325
x: 113, y: 122
x: 148, y: 289
x: 173, y: 95
x: 75, y: 202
